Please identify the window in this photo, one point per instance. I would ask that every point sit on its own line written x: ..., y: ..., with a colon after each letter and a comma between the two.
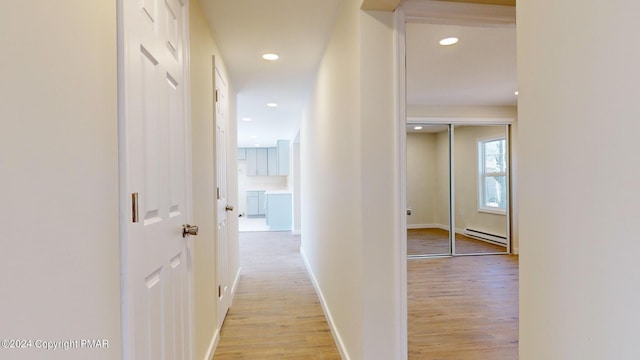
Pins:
x: 492, y: 161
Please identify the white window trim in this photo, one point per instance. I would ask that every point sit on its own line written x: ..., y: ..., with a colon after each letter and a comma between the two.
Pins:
x: 481, y: 176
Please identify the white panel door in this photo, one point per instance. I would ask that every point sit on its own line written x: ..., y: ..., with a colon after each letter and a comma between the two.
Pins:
x: 223, y: 207
x: 156, y: 268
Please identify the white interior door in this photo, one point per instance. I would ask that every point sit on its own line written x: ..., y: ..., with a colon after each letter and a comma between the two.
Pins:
x: 223, y: 207
x: 157, y: 320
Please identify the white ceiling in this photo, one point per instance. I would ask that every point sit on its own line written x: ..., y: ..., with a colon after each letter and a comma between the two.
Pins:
x: 296, y: 30
x: 479, y: 70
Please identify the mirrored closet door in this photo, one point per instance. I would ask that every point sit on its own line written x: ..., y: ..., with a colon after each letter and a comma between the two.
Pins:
x: 480, y: 164
x: 428, y: 190
x: 457, y: 189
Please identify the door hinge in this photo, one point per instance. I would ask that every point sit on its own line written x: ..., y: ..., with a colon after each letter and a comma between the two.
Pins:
x: 134, y: 207
x: 216, y: 95
x: 219, y: 291
x: 218, y: 193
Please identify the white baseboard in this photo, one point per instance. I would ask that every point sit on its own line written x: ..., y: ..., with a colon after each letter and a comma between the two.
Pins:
x: 427, y: 226
x: 327, y: 314
x: 213, y: 345
x: 216, y: 337
x: 236, y: 281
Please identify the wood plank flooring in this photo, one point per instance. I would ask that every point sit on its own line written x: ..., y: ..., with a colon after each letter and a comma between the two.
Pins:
x: 436, y: 241
x: 276, y: 313
x: 461, y: 308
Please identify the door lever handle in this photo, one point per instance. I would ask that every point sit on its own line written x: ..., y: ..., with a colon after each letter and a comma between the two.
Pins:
x: 229, y: 208
x: 189, y: 230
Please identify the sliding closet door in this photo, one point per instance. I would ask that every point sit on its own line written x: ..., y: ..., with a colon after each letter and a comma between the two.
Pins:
x: 481, y: 191
x: 428, y: 190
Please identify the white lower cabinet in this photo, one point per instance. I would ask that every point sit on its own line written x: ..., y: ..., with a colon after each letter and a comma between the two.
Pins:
x: 255, y: 203
x: 279, y: 210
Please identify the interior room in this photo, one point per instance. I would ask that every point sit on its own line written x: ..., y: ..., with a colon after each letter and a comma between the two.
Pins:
x: 460, y: 140
x: 75, y: 197
x: 265, y: 199
x: 480, y: 186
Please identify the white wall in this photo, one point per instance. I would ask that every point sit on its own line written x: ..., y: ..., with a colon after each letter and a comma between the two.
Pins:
x: 442, y: 181
x: 468, y: 112
x: 422, y: 176
x: 350, y: 187
x: 203, y: 51
x: 466, y: 180
x: 381, y: 213
x: 60, y: 269
x: 330, y: 183
x: 297, y: 199
x: 578, y: 181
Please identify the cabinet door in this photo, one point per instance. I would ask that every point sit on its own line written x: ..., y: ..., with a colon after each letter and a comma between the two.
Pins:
x: 252, y: 162
x: 283, y: 157
x: 261, y: 203
x: 279, y: 211
x: 272, y: 161
x: 242, y: 154
x: 262, y: 158
x: 253, y: 203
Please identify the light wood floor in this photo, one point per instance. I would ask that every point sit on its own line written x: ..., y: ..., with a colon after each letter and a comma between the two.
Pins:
x: 461, y: 308
x: 276, y: 313
x: 436, y: 241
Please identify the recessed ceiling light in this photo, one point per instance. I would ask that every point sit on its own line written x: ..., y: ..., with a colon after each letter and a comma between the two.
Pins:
x: 270, y: 57
x: 516, y: 93
x: 246, y: 119
x: 254, y: 137
x: 272, y: 104
x: 448, y: 41
x: 256, y: 145
x: 417, y: 128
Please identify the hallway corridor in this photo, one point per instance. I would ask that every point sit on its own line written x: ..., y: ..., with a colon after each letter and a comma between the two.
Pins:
x: 276, y: 313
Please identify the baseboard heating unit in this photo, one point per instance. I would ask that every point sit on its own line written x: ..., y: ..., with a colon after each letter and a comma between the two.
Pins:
x: 485, y: 236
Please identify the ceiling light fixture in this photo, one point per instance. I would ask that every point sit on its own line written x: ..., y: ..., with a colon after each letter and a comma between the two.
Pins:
x: 272, y: 104
x: 254, y: 137
x: 270, y: 57
x: 516, y: 93
x: 417, y: 128
x: 448, y: 41
x: 256, y: 145
x: 246, y: 119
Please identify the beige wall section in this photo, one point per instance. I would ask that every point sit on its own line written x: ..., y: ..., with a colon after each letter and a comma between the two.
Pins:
x: 466, y: 187
x: 60, y: 272
x: 579, y: 194
x: 331, y: 214
x: 442, y: 180
x: 380, y: 5
x: 462, y: 111
x: 383, y: 262
x: 350, y: 193
x: 422, y: 177
x: 203, y: 51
